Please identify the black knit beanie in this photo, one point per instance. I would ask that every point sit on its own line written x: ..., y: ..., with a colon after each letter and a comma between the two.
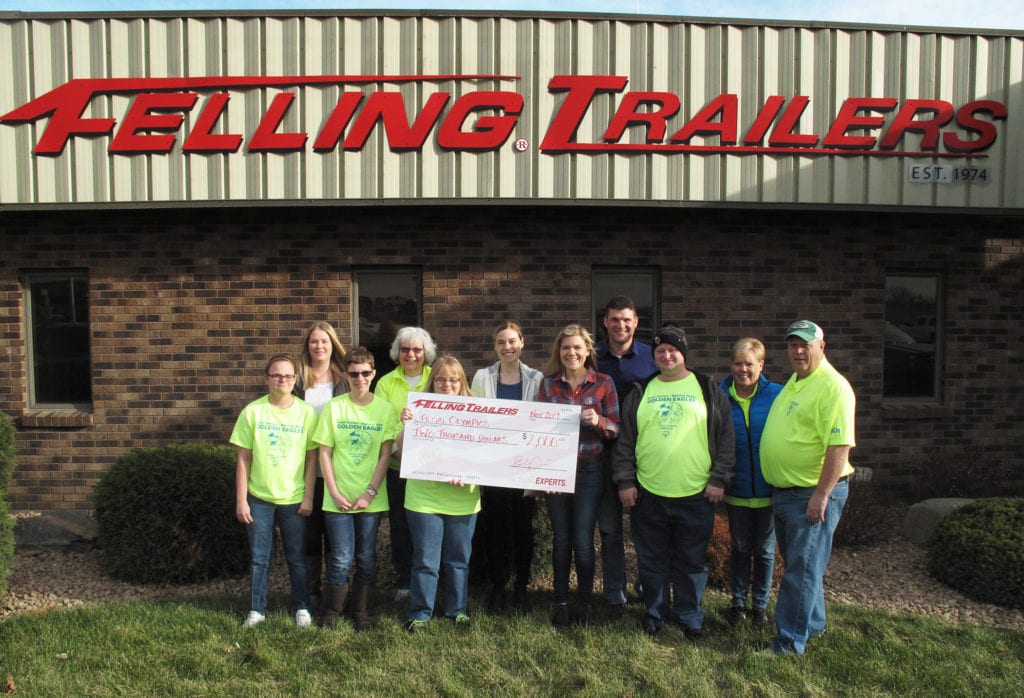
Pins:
x: 671, y: 334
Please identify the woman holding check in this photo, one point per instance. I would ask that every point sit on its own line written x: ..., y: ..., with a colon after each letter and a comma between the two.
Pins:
x: 442, y: 516
x: 572, y: 378
x: 506, y: 521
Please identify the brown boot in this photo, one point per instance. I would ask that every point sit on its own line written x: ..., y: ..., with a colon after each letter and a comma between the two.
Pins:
x: 331, y: 603
x: 361, y: 606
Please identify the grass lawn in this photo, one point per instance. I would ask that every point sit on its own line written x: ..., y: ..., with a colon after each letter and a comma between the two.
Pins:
x: 196, y: 647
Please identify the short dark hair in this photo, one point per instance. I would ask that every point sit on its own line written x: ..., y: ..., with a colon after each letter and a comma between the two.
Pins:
x: 359, y: 355
x: 620, y: 303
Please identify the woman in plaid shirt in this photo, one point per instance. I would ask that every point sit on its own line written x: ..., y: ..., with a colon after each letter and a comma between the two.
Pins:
x: 571, y: 377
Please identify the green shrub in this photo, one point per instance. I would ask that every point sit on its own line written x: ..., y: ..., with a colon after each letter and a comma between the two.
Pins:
x: 979, y: 550
x: 168, y: 515
x: 8, y: 453
x: 7, y: 458
x: 6, y: 545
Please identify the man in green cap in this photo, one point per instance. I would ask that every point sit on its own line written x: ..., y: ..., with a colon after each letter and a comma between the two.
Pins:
x: 805, y: 452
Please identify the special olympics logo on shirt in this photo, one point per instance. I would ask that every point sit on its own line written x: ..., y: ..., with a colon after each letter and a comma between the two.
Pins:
x: 359, y: 444
x: 669, y: 415
x: 793, y: 404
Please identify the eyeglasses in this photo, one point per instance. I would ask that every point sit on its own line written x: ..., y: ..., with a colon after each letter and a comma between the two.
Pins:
x: 281, y: 376
x: 448, y: 381
x: 359, y: 374
x: 411, y: 350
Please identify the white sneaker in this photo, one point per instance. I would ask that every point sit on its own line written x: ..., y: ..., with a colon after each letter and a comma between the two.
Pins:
x: 254, y: 618
x: 401, y: 594
x: 302, y: 618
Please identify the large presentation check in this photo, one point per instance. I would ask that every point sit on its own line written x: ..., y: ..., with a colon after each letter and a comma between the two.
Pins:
x: 481, y: 441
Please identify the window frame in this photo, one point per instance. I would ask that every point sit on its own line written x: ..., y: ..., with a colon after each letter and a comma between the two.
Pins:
x: 938, y: 308
x: 383, y: 364
x: 30, y: 279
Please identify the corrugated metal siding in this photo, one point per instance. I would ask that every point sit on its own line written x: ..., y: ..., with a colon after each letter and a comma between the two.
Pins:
x: 696, y: 61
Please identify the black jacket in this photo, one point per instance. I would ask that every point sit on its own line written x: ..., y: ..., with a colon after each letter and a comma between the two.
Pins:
x: 721, y: 437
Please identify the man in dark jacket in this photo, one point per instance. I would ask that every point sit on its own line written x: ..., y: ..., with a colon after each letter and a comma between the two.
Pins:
x: 672, y: 462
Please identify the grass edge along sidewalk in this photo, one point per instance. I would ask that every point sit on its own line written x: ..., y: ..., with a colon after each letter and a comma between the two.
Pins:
x: 195, y: 646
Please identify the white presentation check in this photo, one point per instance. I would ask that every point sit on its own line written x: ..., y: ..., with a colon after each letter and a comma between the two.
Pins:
x: 481, y: 441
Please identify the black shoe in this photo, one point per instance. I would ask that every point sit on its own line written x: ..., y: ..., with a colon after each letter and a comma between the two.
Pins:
x: 759, y: 618
x: 693, y: 633
x: 650, y: 627
x: 615, y: 610
x: 560, y: 615
x: 737, y: 614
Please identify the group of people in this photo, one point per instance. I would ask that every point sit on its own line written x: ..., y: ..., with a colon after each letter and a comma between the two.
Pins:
x: 320, y: 456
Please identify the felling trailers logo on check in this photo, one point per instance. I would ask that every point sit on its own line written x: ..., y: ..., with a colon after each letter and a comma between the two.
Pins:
x: 484, y: 120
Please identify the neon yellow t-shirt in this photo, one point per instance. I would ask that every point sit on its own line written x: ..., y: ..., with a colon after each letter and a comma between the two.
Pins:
x: 356, y: 433
x: 393, y: 388
x: 430, y: 497
x: 806, y: 418
x: 278, y: 440
x: 743, y: 402
x: 672, y: 455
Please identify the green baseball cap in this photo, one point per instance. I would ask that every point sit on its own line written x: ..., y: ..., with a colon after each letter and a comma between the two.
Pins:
x: 805, y: 330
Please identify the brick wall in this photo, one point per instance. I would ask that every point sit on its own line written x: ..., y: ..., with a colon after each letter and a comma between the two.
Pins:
x: 186, y: 305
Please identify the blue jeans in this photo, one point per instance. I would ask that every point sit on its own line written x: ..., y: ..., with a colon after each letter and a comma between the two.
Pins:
x: 805, y: 548
x: 671, y: 536
x: 752, y: 532
x: 401, y: 544
x: 261, y: 540
x: 613, y: 550
x: 353, y: 536
x: 439, y: 540
x: 573, y: 517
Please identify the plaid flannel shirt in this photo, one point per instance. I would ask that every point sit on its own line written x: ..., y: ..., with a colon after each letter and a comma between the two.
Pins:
x: 597, y: 391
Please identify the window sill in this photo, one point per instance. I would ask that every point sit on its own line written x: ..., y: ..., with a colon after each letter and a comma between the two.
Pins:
x: 914, y: 410
x: 55, y: 419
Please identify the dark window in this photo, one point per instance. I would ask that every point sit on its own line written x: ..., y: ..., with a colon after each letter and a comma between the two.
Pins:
x: 642, y: 284
x: 386, y: 301
x: 58, y: 339
x: 912, y: 326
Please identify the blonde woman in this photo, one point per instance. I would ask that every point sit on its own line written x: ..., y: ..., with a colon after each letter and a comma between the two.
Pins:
x: 320, y: 376
x: 442, y: 517
x: 572, y: 378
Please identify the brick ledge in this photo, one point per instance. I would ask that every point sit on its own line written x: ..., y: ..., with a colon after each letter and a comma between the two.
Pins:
x: 60, y: 419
